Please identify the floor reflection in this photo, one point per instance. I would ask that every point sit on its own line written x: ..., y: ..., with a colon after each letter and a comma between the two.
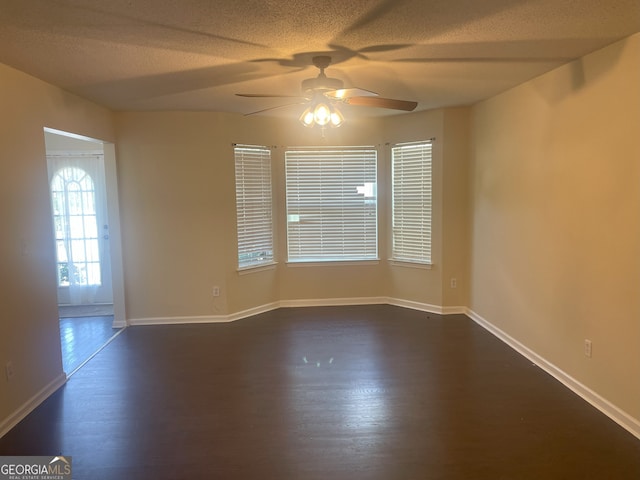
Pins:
x: 337, y: 394
x: 81, y: 337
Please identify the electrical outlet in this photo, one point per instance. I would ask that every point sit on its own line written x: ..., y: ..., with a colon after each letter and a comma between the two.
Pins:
x: 587, y: 348
x: 8, y: 370
x: 216, y: 291
x: 454, y: 283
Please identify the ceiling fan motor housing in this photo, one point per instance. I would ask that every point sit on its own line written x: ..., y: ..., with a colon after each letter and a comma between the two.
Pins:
x: 321, y: 83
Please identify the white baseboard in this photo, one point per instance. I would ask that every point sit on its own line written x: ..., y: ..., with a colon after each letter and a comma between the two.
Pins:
x: 425, y: 307
x: 333, y: 302
x: 311, y: 302
x: 323, y: 302
x: 31, y: 404
x: 616, y: 414
x: 397, y: 302
x: 454, y: 310
x: 179, y: 320
x: 119, y: 324
x: 253, y: 311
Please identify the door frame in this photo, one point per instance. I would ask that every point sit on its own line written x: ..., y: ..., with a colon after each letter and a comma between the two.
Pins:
x: 113, y: 218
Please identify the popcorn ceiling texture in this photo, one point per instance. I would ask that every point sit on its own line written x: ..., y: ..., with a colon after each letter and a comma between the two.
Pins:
x: 195, y: 54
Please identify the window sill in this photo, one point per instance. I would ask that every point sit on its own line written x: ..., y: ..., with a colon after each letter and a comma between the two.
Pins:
x: 333, y: 263
x: 407, y: 264
x: 256, y: 268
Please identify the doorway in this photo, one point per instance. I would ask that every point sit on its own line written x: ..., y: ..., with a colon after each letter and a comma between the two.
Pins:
x: 83, y: 190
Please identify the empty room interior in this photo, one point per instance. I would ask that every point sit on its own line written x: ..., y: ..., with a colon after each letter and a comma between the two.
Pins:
x: 500, y: 341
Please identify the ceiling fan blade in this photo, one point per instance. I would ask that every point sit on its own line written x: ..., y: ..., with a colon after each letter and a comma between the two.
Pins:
x: 522, y: 59
x: 349, y: 92
x: 274, y: 108
x: 261, y: 95
x: 382, y: 103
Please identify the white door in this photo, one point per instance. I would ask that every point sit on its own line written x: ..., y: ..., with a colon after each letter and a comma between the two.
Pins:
x: 78, y: 198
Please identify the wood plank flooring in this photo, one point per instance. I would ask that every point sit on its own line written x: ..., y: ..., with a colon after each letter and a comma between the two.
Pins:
x: 81, y: 337
x: 353, y: 393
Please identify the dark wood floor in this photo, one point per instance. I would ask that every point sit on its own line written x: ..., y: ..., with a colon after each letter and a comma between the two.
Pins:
x: 353, y: 393
x: 82, y: 337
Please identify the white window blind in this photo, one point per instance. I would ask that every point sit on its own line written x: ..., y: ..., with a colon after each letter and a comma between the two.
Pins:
x: 331, y: 196
x: 411, y: 165
x: 254, y: 206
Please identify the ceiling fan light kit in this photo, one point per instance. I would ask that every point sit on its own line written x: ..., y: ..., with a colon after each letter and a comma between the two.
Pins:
x: 322, y: 114
x: 324, y: 93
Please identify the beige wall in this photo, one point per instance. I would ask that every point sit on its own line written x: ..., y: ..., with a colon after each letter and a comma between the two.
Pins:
x: 556, y: 218
x: 536, y: 214
x: 456, y: 207
x: 176, y: 212
x: 29, y: 333
x: 176, y: 176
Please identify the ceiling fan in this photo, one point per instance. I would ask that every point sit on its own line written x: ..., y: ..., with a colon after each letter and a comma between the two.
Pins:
x: 323, y: 93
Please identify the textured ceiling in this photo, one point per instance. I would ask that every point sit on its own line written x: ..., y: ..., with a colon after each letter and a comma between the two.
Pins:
x: 195, y: 54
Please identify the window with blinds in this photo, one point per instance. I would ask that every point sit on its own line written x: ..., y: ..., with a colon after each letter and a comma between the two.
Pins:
x: 411, y: 201
x: 331, y: 196
x: 254, y: 206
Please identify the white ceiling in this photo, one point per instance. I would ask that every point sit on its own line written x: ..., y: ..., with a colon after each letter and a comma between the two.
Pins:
x: 195, y: 54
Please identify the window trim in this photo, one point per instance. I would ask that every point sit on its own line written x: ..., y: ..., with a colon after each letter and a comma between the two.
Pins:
x: 423, y: 255
x: 336, y: 263
x: 365, y: 161
x: 262, y: 173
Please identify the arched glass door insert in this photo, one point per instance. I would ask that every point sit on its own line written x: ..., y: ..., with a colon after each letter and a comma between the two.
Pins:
x: 75, y: 221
